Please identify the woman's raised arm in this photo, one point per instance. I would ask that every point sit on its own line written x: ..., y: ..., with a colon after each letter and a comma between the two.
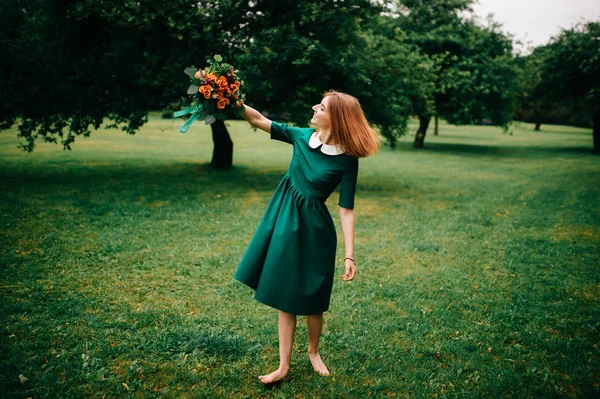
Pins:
x: 256, y: 119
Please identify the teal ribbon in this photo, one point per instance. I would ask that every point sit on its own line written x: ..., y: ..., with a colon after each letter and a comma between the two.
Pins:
x: 196, y: 113
x: 183, y: 112
x: 189, y: 122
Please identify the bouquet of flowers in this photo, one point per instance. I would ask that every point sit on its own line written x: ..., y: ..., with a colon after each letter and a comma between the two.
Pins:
x: 217, y: 93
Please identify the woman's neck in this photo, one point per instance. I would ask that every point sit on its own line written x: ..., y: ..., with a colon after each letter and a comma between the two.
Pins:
x: 325, y: 136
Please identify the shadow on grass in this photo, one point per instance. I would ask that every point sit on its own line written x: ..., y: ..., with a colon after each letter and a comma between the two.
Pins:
x: 564, y: 132
x: 458, y: 137
x: 154, y: 182
x: 132, y: 177
x: 505, y: 151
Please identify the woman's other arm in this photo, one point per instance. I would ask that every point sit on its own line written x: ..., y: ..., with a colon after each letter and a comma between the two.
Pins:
x: 256, y: 119
x: 347, y: 220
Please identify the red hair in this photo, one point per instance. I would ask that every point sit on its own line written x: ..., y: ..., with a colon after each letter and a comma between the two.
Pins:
x: 349, y: 126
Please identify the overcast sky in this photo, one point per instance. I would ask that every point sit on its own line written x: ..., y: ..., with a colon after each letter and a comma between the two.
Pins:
x: 535, y: 21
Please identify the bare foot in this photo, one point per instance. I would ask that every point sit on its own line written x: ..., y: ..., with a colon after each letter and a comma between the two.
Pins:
x: 275, y: 376
x: 318, y: 364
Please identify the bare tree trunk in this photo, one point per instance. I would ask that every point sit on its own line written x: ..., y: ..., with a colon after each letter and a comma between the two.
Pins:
x: 420, y: 136
x: 223, y: 146
x: 392, y: 140
x: 538, y: 119
x: 596, y: 131
x: 538, y: 123
x: 436, y: 125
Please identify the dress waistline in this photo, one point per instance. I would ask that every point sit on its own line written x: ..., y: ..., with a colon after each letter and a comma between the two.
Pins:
x: 299, y: 195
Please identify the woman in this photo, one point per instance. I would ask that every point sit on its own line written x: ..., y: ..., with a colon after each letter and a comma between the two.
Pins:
x: 290, y: 261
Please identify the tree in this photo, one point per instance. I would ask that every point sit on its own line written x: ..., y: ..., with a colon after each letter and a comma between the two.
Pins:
x: 302, y: 59
x: 571, y: 72
x: 71, y: 65
x: 397, y: 77
x: 296, y: 57
x: 479, y: 84
x: 533, y: 97
x: 116, y: 60
x: 474, y: 66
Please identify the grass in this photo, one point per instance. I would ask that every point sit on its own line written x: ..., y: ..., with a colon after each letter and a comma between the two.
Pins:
x: 478, y: 269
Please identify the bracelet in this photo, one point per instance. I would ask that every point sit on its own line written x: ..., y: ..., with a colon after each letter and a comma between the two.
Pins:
x: 352, y: 259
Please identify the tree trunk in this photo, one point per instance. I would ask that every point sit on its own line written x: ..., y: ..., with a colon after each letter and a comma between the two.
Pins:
x: 420, y: 136
x: 223, y: 146
x: 392, y: 140
x: 538, y: 119
x: 436, y: 125
x: 596, y: 131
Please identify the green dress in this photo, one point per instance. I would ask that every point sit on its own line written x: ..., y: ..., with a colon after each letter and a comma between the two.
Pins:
x: 290, y: 261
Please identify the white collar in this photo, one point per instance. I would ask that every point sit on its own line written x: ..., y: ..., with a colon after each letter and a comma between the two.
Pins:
x: 315, y: 141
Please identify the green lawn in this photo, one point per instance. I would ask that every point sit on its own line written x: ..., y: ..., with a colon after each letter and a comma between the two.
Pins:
x: 478, y: 269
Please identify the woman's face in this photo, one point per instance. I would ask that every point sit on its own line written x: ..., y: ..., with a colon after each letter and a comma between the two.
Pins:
x: 321, y: 115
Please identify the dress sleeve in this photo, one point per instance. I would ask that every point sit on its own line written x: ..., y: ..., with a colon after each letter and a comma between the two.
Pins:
x: 349, y: 185
x: 285, y: 133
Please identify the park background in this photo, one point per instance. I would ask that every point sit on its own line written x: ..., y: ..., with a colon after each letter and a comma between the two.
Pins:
x: 477, y: 237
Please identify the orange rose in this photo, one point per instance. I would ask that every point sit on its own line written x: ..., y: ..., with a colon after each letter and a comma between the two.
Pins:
x: 222, y: 82
x: 211, y: 76
x: 222, y: 103
x: 205, y: 90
